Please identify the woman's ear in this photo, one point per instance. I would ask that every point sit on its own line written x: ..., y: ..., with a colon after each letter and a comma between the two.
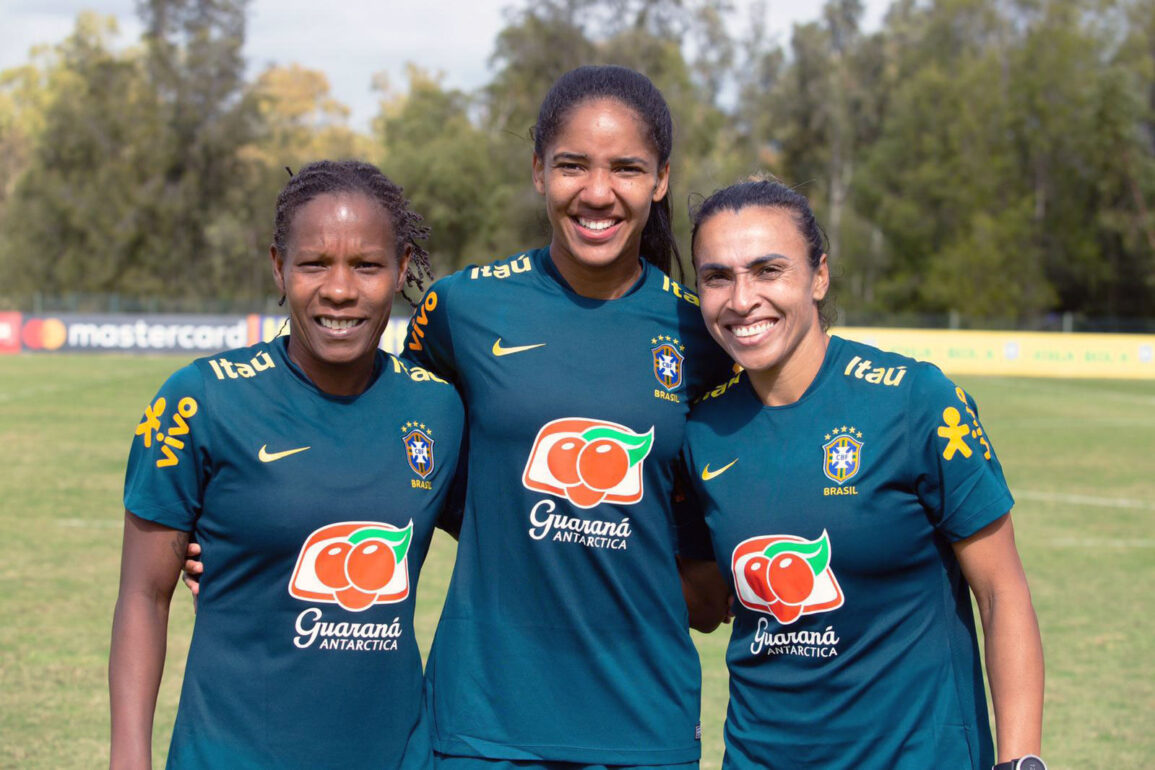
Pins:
x: 278, y: 268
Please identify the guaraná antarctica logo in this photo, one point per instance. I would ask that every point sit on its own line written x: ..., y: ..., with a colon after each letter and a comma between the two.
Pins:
x: 785, y: 576
x: 354, y: 564
x: 588, y: 462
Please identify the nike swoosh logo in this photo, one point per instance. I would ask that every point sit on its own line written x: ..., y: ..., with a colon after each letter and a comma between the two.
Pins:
x: 266, y: 456
x: 708, y: 474
x: 498, y: 350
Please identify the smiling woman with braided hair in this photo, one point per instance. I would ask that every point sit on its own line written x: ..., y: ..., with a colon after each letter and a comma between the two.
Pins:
x: 312, y: 469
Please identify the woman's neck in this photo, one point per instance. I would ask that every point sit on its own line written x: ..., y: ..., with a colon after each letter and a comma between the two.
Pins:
x: 609, y: 281
x: 346, y: 379
x: 786, y: 383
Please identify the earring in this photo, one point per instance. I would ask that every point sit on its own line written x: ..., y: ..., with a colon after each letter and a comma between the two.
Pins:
x: 281, y: 301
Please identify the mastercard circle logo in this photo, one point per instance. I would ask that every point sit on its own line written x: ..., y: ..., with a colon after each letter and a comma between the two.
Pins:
x: 44, y: 334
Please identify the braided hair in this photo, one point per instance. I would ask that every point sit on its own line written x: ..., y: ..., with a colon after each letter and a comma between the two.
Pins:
x: 353, y: 176
x: 639, y: 94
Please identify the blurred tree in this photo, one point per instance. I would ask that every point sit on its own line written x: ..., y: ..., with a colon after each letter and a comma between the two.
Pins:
x: 1001, y: 176
x: 939, y: 182
x: 995, y: 157
x: 78, y: 218
x: 195, y: 65
x: 808, y: 117
x: 22, y: 97
x: 23, y: 100
x: 446, y: 165
x: 297, y: 121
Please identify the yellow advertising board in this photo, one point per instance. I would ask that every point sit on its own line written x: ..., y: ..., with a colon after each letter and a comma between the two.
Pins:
x: 1019, y: 354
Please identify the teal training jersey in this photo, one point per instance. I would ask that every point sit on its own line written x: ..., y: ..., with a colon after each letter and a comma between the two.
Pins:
x: 853, y: 644
x: 564, y: 633
x: 315, y: 513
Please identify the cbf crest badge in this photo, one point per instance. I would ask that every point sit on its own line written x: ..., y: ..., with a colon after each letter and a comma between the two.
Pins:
x: 419, y: 448
x: 668, y: 360
x: 842, y: 454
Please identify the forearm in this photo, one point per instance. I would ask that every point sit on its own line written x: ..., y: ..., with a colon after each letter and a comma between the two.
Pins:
x: 705, y: 592
x: 150, y: 562
x: 136, y: 662
x: 1014, y: 658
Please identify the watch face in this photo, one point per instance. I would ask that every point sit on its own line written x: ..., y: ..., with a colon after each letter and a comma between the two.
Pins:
x: 1031, y: 763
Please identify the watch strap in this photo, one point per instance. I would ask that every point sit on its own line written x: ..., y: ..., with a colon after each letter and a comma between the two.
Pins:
x: 1025, y: 762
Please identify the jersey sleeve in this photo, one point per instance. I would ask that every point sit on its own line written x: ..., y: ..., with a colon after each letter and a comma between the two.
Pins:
x: 167, y: 464
x: 959, y: 478
x: 428, y: 341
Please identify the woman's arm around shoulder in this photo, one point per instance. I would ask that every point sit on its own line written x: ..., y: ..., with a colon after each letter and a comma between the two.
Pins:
x: 151, y: 560
x: 1014, y: 649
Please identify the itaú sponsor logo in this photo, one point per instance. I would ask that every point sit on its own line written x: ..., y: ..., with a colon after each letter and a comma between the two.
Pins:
x: 173, y: 333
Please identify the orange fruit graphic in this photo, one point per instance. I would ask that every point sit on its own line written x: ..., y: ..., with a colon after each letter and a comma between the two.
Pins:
x: 352, y: 599
x: 786, y: 613
x: 331, y: 565
x: 563, y: 460
x: 603, y: 464
x: 755, y: 574
x: 791, y: 578
x: 371, y: 564
x: 584, y: 496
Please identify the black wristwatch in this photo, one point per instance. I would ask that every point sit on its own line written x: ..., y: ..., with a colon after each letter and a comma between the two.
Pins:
x: 1027, y: 762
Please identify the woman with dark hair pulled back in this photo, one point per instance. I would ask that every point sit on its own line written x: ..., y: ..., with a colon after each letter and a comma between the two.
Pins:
x: 855, y: 503
x: 564, y: 637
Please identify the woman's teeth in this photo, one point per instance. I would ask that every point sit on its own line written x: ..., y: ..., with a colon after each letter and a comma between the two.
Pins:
x: 596, y: 224
x: 752, y: 329
x: 339, y: 324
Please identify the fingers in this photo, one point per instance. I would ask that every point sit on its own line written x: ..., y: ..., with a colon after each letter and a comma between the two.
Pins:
x: 193, y: 570
x: 192, y: 575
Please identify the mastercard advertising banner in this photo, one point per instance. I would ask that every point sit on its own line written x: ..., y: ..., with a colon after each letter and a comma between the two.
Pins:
x: 10, y: 332
x: 132, y: 333
x: 121, y: 333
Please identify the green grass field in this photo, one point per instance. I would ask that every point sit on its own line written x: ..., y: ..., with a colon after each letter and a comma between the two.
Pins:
x: 1080, y: 457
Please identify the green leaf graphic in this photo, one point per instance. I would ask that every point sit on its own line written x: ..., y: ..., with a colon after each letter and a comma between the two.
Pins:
x: 816, y: 552
x: 398, y: 540
x: 637, y: 447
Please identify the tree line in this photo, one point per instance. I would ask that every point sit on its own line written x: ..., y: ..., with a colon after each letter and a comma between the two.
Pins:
x: 994, y: 158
